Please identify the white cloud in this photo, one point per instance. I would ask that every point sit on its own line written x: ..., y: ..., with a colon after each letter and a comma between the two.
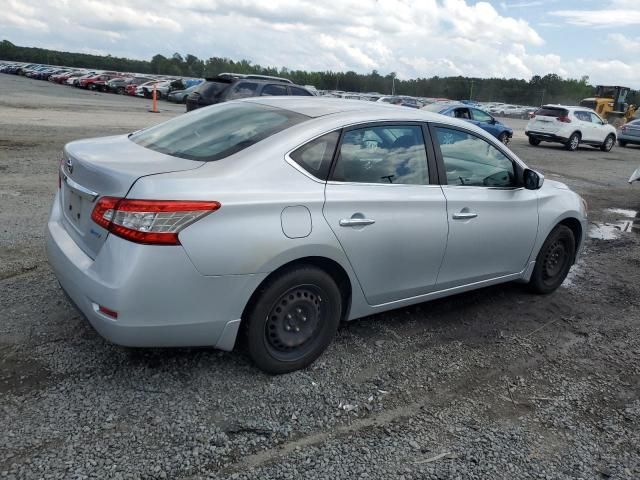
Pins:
x: 618, y: 13
x: 625, y: 43
x: 415, y: 38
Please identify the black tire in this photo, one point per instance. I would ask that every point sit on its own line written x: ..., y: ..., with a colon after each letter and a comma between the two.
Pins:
x: 534, y: 141
x: 292, y: 320
x: 622, y: 143
x: 553, y: 261
x: 504, y: 138
x: 573, y: 143
x: 608, y: 144
x: 120, y: 90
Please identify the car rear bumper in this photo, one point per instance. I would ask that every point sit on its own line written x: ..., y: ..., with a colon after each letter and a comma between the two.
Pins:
x: 546, y: 137
x: 160, y: 298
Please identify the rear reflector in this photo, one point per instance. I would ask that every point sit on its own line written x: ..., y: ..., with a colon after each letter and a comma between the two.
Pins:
x: 107, y: 311
x: 151, y: 222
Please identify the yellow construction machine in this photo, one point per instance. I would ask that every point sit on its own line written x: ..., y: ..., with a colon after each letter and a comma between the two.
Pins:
x: 611, y: 104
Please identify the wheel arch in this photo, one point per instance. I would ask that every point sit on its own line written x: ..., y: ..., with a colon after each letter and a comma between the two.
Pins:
x: 576, y: 228
x: 328, y: 265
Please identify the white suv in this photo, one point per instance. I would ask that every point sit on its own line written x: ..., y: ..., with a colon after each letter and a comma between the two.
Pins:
x: 570, y: 126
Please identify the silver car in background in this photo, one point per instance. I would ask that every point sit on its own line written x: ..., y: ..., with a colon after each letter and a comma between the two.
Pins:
x: 279, y: 217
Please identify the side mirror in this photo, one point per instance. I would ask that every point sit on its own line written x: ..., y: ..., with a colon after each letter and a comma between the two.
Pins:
x: 533, y: 180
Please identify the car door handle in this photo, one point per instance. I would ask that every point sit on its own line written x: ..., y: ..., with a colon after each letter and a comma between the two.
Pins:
x: 356, y: 222
x: 464, y: 215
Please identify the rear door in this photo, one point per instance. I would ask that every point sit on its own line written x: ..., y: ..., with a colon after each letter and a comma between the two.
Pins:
x: 632, y: 129
x: 385, y: 207
x: 493, y: 221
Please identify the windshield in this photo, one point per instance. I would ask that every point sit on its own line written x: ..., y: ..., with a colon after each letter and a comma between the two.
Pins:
x: 216, y: 132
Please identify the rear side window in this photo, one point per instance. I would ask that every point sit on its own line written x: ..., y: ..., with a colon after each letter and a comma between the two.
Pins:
x: 211, y: 89
x: 274, y: 90
x: 315, y: 157
x: 384, y: 154
x: 243, y: 90
x: 213, y: 133
x: 552, y: 112
x: 299, y: 91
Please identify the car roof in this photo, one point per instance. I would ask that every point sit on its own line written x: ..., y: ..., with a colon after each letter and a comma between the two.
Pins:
x: 345, y: 111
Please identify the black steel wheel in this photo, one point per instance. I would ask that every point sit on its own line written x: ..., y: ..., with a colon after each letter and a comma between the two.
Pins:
x: 293, y: 319
x: 554, y: 260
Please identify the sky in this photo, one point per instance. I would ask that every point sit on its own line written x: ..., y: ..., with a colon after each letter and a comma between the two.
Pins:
x: 414, y: 38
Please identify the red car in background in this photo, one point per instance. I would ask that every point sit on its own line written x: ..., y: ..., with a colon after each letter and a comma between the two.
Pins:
x: 96, y: 82
x: 63, y: 77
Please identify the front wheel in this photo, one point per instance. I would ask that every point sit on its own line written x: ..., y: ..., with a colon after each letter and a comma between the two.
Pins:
x: 622, y: 143
x: 293, y: 319
x: 553, y: 261
x: 504, y: 138
x: 573, y: 143
x: 534, y: 141
x: 608, y: 143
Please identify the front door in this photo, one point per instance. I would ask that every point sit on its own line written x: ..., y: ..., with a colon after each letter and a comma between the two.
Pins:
x: 493, y: 221
x: 386, y: 213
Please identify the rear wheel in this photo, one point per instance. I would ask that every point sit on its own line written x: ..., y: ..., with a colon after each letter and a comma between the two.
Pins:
x: 293, y: 319
x: 504, y: 138
x: 608, y: 143
x: 120, y: 90
x: 553, y: 261
x: 573, y: 143
x: 534, y: 141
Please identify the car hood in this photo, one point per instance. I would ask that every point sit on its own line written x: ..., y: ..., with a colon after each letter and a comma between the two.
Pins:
x: 555, y: 184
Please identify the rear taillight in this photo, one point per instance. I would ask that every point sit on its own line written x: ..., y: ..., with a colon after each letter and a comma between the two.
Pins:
x: 151, y: 222
x: 564, y: 119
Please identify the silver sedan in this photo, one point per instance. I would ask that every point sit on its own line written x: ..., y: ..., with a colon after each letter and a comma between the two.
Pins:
x: 275, y: 218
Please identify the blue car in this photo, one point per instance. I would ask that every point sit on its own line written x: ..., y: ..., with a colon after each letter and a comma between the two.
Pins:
x: 476, y: 116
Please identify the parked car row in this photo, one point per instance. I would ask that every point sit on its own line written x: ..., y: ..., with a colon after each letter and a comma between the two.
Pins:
x: 105, y: 81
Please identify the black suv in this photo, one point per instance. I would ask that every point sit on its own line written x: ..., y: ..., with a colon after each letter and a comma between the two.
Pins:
x: 227, y: 86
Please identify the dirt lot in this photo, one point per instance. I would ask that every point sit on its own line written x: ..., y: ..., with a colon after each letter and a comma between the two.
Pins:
x: 493, y: 384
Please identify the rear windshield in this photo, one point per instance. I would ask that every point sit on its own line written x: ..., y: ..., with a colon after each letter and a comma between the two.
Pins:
x: 434, y: 107
x: 216, y: 132
x: 551, y: 112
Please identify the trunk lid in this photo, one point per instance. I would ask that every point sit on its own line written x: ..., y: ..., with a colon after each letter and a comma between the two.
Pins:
x: 100, y: 167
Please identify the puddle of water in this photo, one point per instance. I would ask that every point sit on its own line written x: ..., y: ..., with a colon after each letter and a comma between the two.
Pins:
x: 570, y: 281
x: 622, y: 212
x: 609, y: 231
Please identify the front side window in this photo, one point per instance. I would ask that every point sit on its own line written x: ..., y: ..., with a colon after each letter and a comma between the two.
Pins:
x: 315, y: 157
x: 472, y: 161
x: 385, y: 155
x: 595, y: 119
x: 219, y: 131
x: 462, y: 113
x: 244, y: 90
x: 480, y: 116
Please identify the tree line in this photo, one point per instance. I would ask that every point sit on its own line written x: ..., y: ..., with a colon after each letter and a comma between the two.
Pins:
x: 550, y: 88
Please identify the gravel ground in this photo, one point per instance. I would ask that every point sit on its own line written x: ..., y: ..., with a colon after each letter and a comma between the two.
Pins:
x: 493, y: 384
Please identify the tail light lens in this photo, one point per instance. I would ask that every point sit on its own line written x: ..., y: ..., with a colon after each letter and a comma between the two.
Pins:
x: 151, y: 222
x: 564, y: 119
